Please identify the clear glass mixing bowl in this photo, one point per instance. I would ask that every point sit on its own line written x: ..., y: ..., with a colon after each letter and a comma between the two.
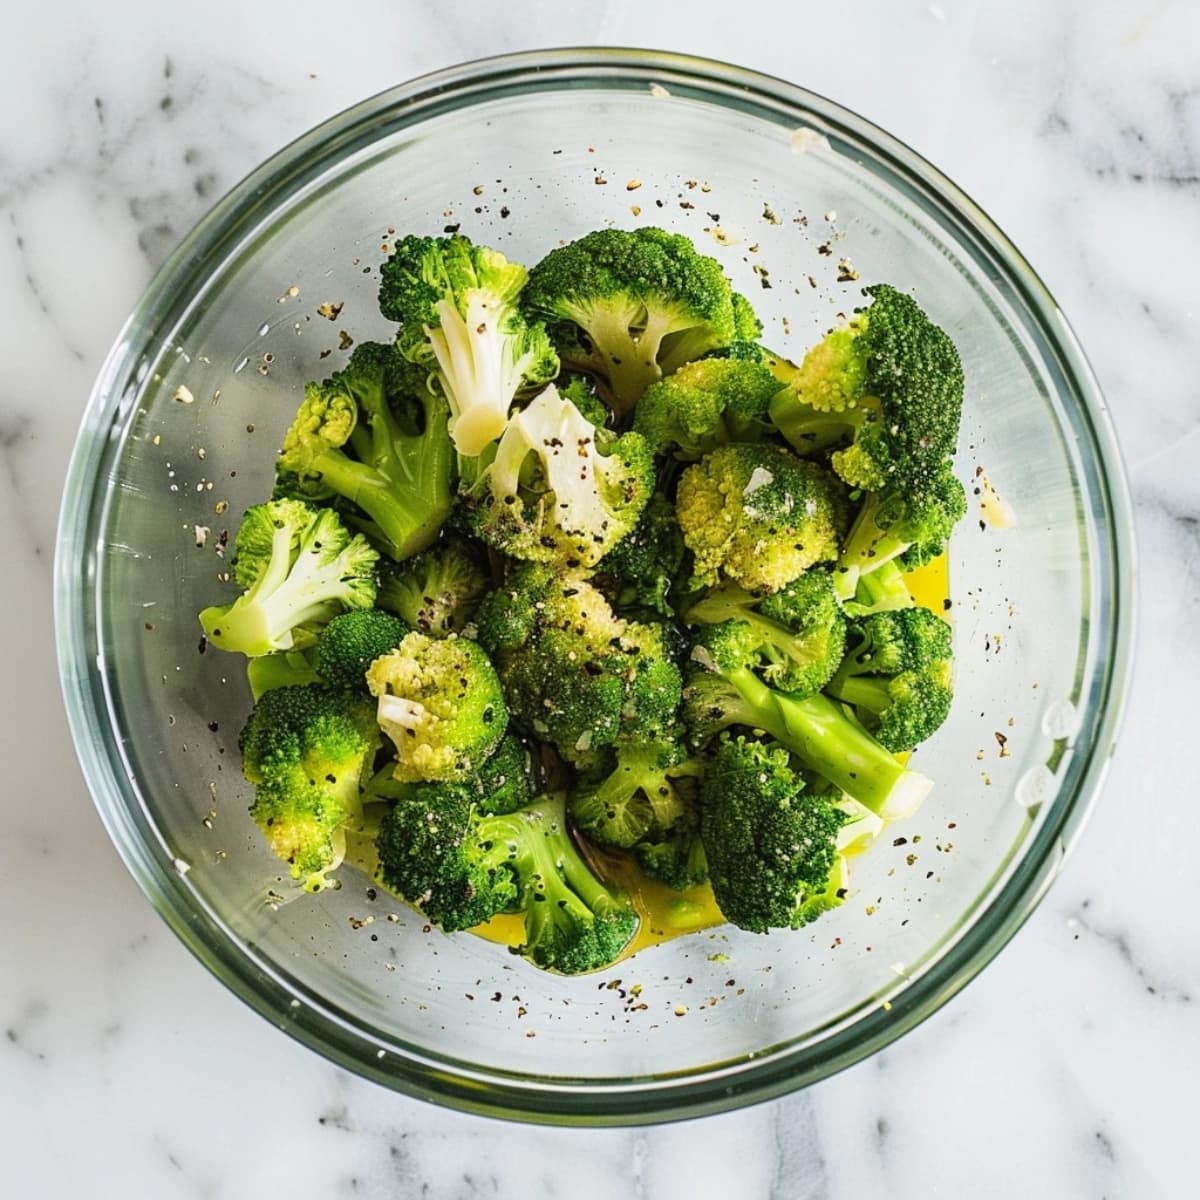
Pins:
x: 798, y: 198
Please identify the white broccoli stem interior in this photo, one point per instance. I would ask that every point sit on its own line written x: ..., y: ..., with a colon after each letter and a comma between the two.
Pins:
x: 471, y: 352
x: 400, y: 712
x: 906, y: 796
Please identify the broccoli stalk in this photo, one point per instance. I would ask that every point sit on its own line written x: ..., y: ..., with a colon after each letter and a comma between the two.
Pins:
x: 457, y: 307
x: 299, y: 567
x: 396, y: 470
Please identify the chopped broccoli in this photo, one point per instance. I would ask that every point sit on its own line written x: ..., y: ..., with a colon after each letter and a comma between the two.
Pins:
x: 574, y: 673
x: 677, y: 857
x: 299, y: 567
x: 706, y: 404
x: 374, y: 436
x: 461, y: 866
x: 640, y: 573
x: 636, y: 796
x: 305, y: 749
x: 771, y: 848
x: 441, y: 705
x: 282, y: 669
x: 880, y: 590
x: 459, y: 320
x: 581, y: 391
x: 630, y: 307
x: 559, y: 489
x: 759, y: 515
x: 795, y: 637
x: 351, y: 642
x: 438, y: 591
x: 899, y: 676
x: 727, y: 692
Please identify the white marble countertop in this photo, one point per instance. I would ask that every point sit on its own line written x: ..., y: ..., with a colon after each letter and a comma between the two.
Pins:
x: 126, y: 1070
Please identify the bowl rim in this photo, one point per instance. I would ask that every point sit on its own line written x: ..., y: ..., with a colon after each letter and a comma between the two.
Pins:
x: 318, y: 1025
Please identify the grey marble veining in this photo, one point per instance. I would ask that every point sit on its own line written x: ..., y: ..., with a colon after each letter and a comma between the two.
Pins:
x: 1067, y: 1071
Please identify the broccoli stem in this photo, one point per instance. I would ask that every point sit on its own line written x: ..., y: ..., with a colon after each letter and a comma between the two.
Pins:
x: 806, y: 428
x: 886, y: 589
x: 868, y: 693
x: 868, y: 547
x: 820, y: 734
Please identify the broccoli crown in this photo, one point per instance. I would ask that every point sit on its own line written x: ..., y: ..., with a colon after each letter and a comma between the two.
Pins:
x: 305, y: 748
x: 352, y: 641
x: 759, y: 515
x: 559, y: 489
x: 639, y: 793
x: 677, y: 857
x: 631, y: 306
x: 441, y: 704
x: 795, y: 637
x: 574, y: 673
x: 771, y: 849
x: 438, y: 591
x: 725, y: 691
x: 459, y: 319
x: 899, y: 675
x: 299, y: 567
x: 706, y: 404
x: 462, y: 866
x: 641, y: 571
x: 374, y: 436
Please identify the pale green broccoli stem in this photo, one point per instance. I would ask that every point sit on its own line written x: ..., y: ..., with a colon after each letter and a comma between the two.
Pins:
x: 818, y: 732
x: 886, y: 588
x: 808, y: 429
x: 631, y: 363
x: 868, y: 547
x: 868, y: 694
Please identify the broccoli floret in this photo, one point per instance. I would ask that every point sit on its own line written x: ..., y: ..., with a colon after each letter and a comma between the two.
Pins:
x: 299, y: 567
x: 462, y: 866
x: 771, y: 847
x: 706, y: 404
x: 881, y: 590
x: 375, y: 436
x: 677, y: 857
x: 574, y: 673
x: 305, y: 749
x: 899, y: 676
x: 441, y: 705
x: 640, y: 573
x: 892, y: 383
x: 759, y: 515
x: 636, y: 795
x: 350, y: 643
x: 727, y: 692
x: 630, y: 307
x: 459, y: 320
x: 581, y: 391
x: 795, y: 637
x: 559, y: 489
x: 438, y: 591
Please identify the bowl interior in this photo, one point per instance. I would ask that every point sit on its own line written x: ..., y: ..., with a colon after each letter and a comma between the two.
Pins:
x: 803, y: 208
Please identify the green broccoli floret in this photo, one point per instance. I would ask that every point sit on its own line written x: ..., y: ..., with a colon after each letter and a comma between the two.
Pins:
x: 899, y: 676
x: 706, y: 404
x: 636, y: 794
x: 641, y: 572
x: 305, y: 749
x: 892, y: 383
x: 299, y: 567
x: 350, y: 643
x: 581, y: 391
x: 375, y: 436
x: 677, y: 857
x: 440, y: 703
x: 559, y: 489
x: 574, y: 673
x: 771, y: 848
x: 630, y: 307
x: 459, y: 320
x: 759, y: 515
x: 438, y: 591
x: 462, y: 866
x: 795, y: 637
x: 727, y: 692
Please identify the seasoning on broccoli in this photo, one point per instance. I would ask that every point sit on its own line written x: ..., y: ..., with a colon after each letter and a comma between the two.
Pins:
x: 299, y: 567
x: 351, y: 642
x: 440, y: 704
x: 759, y: 515
x: 457, y: 305
x: 438, y: 591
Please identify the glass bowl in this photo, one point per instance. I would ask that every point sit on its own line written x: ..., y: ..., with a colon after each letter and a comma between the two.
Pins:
x: 804, y: 203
